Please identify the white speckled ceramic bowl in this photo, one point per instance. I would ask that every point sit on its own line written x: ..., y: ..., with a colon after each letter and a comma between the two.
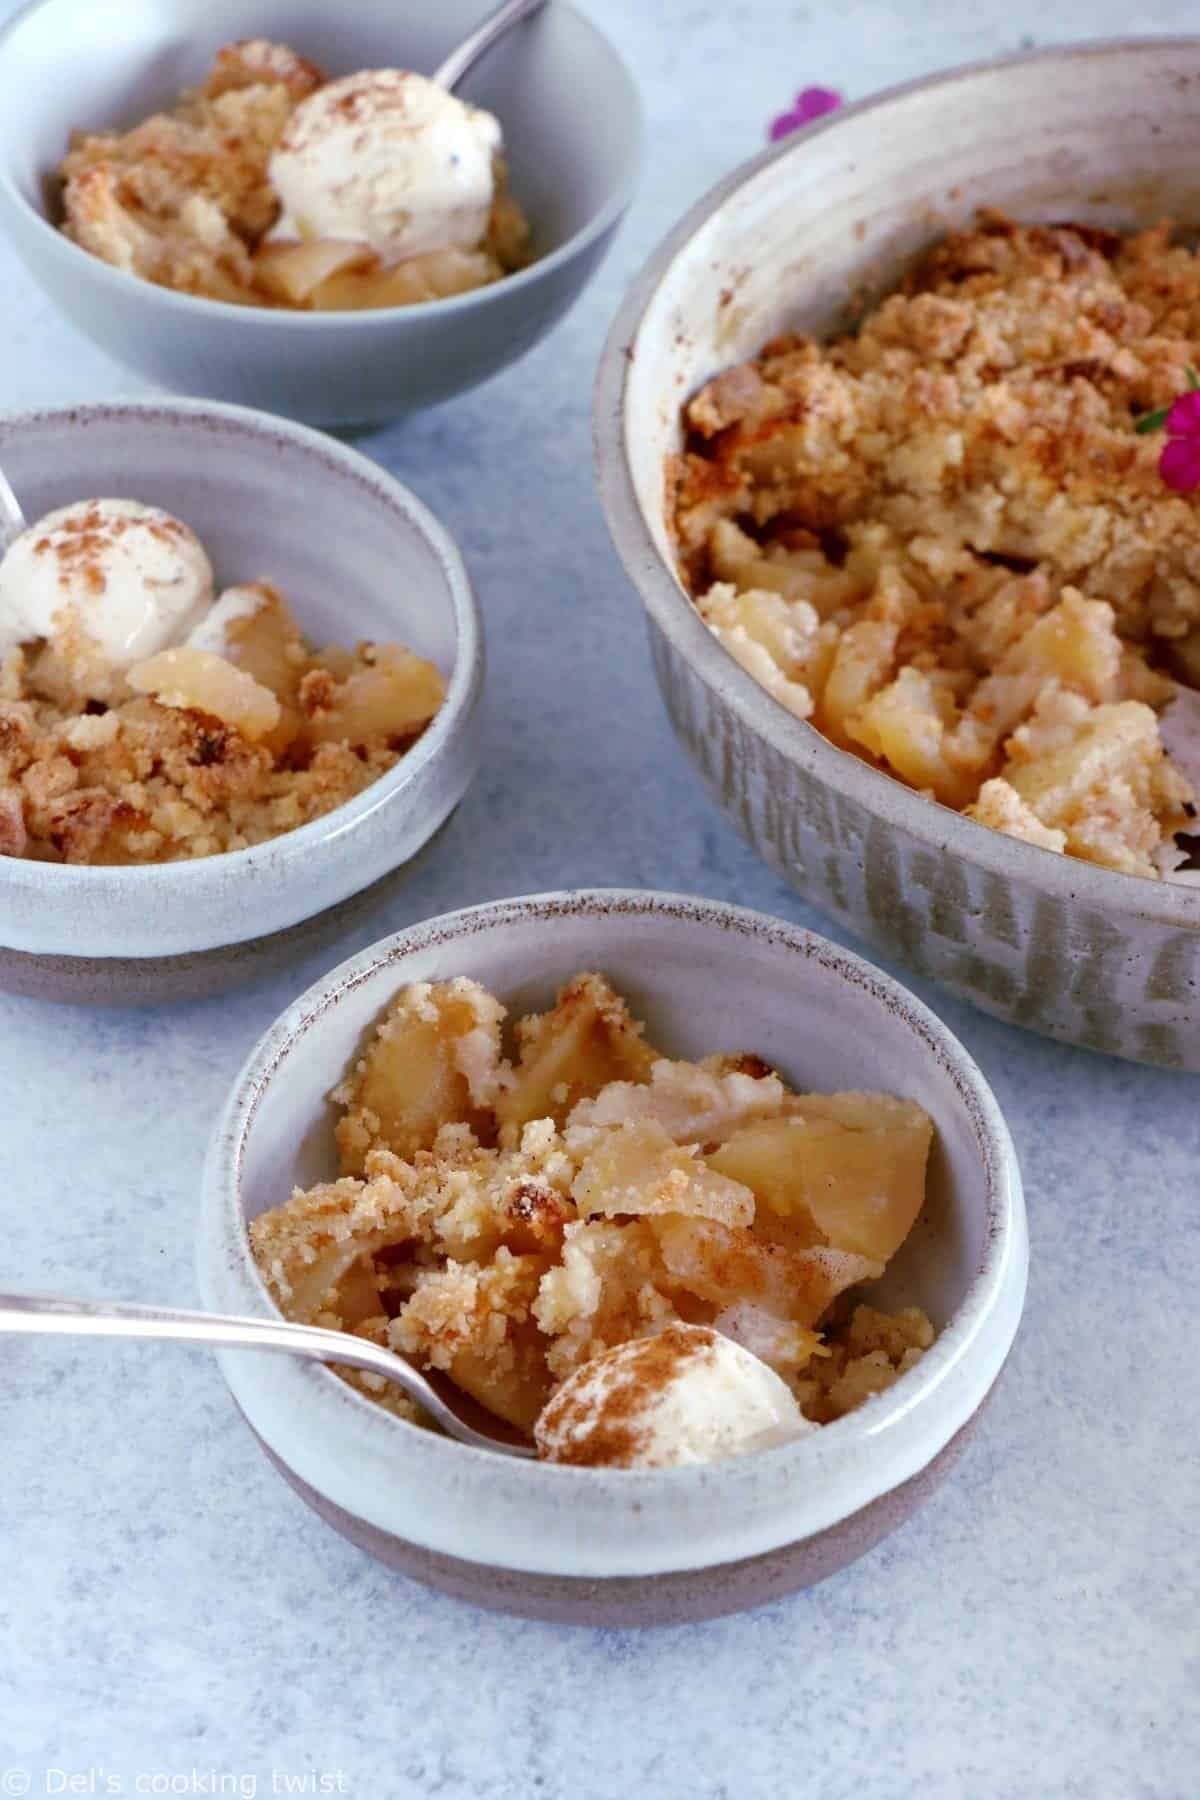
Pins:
x: 573, y: 161
x: 615, y: 1546
x: 359, y: 557
x: 797, y: 239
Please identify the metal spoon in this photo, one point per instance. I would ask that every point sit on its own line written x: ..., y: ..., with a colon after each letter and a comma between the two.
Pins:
x: 12, y: 519
x: 46, y: 1315
x: 459, y: 62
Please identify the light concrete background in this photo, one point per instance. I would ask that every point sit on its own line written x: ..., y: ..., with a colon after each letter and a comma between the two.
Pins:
x: 170, y: 1612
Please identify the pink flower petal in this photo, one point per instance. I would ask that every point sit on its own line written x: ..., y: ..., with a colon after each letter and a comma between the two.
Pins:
x: 811, y: 103
x: 1184, y: 416
x: 1179, y: 464
x: 782, y: 126
x: 814, y: 102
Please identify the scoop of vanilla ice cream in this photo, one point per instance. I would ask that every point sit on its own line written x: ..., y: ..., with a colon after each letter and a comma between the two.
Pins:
x: 685, y: 1395
x: 385, y: 158
x: 130, y: 577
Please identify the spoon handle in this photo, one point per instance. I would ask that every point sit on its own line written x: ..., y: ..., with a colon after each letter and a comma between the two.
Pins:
x: 459, y: 62
x: 12, y: 519
x: 46, y: 1315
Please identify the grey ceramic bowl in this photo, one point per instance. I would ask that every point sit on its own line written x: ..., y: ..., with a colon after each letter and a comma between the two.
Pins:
x: 613, y: 1547
x: 796, y: 239
x: 359, y: 557
x: 574, y: 162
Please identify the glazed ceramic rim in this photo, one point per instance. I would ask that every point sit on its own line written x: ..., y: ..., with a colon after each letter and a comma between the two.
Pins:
x: 280, y: 858
x: 959, y: 1369
x: 267, y: 318
x: 672, y: 609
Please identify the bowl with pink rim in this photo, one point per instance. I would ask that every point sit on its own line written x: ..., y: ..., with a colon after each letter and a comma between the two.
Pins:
x: 612, y: 1546
x: 358, y: 557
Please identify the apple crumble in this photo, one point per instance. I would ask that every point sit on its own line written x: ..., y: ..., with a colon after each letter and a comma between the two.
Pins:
x: 271, y: 185
x: 943, y: 541
x: 144, y: 720
x: 508, y: 1212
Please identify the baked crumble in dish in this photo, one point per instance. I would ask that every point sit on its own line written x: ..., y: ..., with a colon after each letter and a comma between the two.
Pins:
x: 509, y: 1211
x: 143, y: 719
x: 271, y: 185
x: 944, y: 541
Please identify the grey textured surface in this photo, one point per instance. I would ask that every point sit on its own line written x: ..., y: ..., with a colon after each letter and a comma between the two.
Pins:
x: 169, y: 1611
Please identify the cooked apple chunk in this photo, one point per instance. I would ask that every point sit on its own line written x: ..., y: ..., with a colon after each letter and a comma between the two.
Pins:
x: 725, y: 1264
x: 1100, y: 777
x: 782, y: 1344
x: 476, y: 1324
x: 266, y: 641
x: 568, y: 1054
x: 638, y: 1169
x: 845, y: 1170
x: 434, y: 1060
x: 291, y: 272
x: 197, y: 679
x: 694, y: 1103
x: 317, y: 1251
x: 433, y: 276
x: 390, y: 694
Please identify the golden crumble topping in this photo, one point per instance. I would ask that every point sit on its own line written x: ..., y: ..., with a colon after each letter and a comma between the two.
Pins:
x: 943, y: 542
x: 508, y: 1211
x: 196, y: 753
x: 184, y: 199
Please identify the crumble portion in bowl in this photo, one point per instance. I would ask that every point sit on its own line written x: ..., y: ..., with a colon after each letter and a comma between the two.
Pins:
x: 271, y: 186
x: 505, y: 1220
x: 943, y: 540
x: 145, y: 720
